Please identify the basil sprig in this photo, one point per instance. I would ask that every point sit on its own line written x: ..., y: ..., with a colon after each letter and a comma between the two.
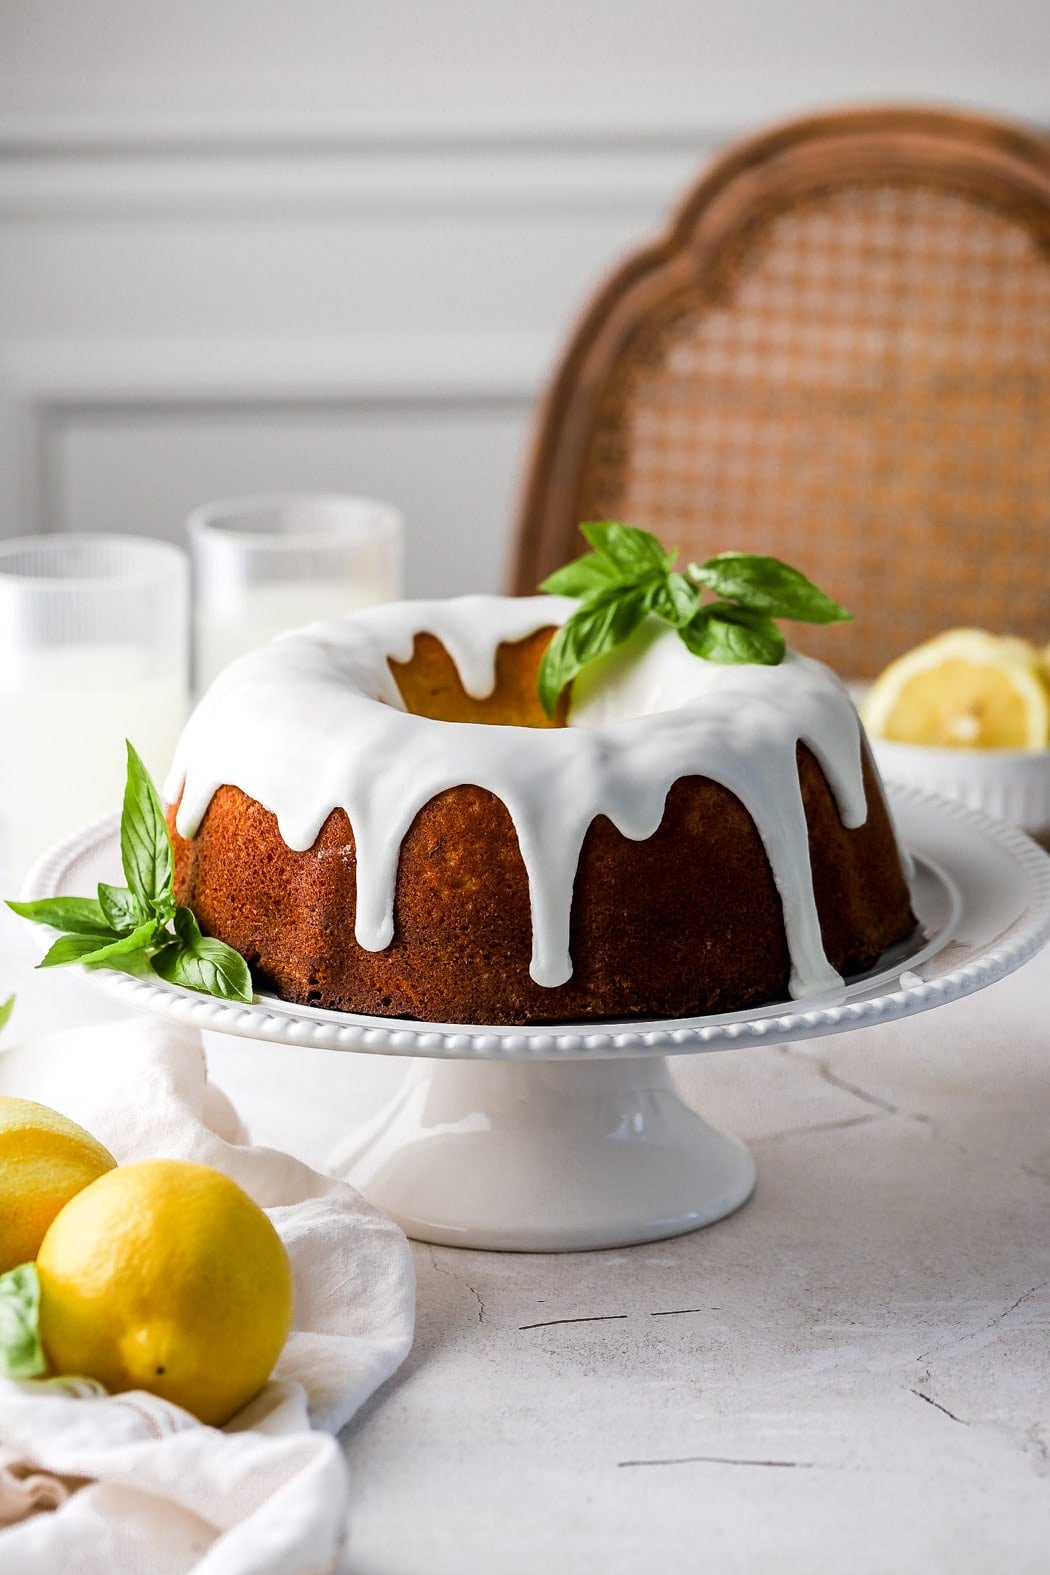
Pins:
x: 6, y: 1008
x: 139, y: 927
x: 21, y: 1352
x: 627, y: 576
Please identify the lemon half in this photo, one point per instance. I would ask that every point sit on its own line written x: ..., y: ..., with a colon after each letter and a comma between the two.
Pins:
x: 966, y: 689
x: 165, y: 1275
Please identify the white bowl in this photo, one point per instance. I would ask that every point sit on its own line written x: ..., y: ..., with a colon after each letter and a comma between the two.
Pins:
x: 1012, y: 784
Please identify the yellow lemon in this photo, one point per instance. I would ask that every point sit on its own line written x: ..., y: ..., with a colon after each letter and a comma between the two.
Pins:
x: 966, y: 689
x: 45, y: 1159
x: 165, y: 1276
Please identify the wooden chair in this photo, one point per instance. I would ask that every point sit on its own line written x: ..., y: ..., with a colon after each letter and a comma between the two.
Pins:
x: 839, y: 352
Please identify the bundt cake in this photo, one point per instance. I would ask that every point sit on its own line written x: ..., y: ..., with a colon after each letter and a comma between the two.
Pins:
x: 379, y: 816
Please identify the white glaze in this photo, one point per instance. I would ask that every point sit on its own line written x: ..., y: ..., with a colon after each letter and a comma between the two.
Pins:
x: 640, y: 722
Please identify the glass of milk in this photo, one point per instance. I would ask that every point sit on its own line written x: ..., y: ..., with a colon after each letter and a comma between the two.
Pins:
x: 264, y: 565
x: 94, y: 649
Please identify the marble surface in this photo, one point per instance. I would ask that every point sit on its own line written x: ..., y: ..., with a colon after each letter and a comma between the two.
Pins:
x: 851, y: 1372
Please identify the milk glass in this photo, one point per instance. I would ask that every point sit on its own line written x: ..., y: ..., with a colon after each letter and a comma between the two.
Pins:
x: 264, y: 565
x: 94, y: 649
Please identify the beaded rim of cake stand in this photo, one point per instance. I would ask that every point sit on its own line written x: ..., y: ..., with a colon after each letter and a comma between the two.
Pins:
x: 285, y: 1023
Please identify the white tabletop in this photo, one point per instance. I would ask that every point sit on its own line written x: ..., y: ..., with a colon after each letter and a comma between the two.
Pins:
x: 852, y: 1372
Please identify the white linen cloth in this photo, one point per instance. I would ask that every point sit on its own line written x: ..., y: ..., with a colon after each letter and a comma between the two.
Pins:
x: 164, y: 1493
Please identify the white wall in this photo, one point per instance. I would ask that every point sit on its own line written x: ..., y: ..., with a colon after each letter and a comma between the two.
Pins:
x: 328, y: 244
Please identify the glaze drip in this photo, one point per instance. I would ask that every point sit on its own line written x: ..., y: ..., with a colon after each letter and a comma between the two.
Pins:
x: 314, y: 721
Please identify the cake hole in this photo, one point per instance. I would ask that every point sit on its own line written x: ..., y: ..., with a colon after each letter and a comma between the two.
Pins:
x: 430, y: 685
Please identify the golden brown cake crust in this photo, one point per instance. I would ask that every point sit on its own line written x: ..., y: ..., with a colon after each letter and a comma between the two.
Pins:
x: 687, y: 922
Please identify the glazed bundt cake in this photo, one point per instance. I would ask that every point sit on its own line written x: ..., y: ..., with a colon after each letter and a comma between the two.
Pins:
x: 378, y: 814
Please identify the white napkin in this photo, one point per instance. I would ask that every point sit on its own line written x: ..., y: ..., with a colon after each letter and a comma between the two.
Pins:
x: 164, y: 1493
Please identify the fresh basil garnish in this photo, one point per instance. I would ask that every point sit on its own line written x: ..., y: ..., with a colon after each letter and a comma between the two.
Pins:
x: 201, y: 963
x: 122, y: 910
x: 633, y: 553
x: 6, y: 1008
x: 129, y: 928
x: 604, y: 621
x: 145, y: 844
x: 673, y: 599
x: 628, y: 575
x: 21, y: 1353
x: 583, y: 576
x: 82, y: 915
x: 99, y: 948
x: 721, y: 632
x: 766, y: 585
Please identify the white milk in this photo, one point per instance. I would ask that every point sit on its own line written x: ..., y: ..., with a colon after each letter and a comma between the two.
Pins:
x: 63, y: 722
x: 263, y: 611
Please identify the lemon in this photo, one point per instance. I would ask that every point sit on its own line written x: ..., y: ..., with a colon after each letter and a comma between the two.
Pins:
x: 966, y: 689
x: 163, y: 1275
x: 45, y: 1159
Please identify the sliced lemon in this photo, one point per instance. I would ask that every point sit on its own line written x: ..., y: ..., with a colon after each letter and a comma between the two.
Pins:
x: 966, y: 689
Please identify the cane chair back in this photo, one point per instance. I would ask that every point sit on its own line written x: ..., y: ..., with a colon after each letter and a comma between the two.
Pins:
x: 839, y: 353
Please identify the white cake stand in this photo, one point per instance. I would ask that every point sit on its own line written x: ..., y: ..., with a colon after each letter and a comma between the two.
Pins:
x: 550, y: 1139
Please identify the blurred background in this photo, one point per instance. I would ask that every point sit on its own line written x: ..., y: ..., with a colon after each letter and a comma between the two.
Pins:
x: 252, y: 247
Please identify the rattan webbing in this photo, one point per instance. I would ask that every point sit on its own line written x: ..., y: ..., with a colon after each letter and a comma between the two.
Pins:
x: 860, y: 385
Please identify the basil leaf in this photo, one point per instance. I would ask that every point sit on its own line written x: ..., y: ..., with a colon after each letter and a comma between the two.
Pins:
x: 123, y: 910
x: 145, y: 842
x: 582, y: 577
x: 98, y: 948
x: 634, y: 553
x: 83, y: 915
x: 198, y: 962
x: 127, y: 944
x: 219, y: 970
x: 628, y: 574
x: 126, y: 926
x: 186, y: 927
x: 6, y: 1008
x: 602, y: 623
x: 21, y: 1353
x: 136, y: 963
x: 767, y: 585
x: 72, y: 948
x: 724, y: 633
x: 673, y: 599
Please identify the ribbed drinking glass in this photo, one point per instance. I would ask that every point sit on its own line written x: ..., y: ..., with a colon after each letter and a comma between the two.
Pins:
x: 264, y: 565
x: 94, y: 637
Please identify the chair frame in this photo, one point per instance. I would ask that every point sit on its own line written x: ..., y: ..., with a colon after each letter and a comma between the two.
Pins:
x: 993, y: 161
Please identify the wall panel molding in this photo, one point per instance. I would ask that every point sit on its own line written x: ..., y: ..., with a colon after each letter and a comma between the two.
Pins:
x: 210, y: 172
x: 124, y: 243
x: 383, y: 367
x: 441, y: 129
x: 44, y: 389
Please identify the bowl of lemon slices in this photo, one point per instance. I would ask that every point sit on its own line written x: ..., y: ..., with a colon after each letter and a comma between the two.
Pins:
x: 967, y: 714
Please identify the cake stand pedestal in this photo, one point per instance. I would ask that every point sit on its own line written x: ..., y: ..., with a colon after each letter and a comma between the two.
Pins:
x: 545, y: 1156
x: 567, y: 1136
